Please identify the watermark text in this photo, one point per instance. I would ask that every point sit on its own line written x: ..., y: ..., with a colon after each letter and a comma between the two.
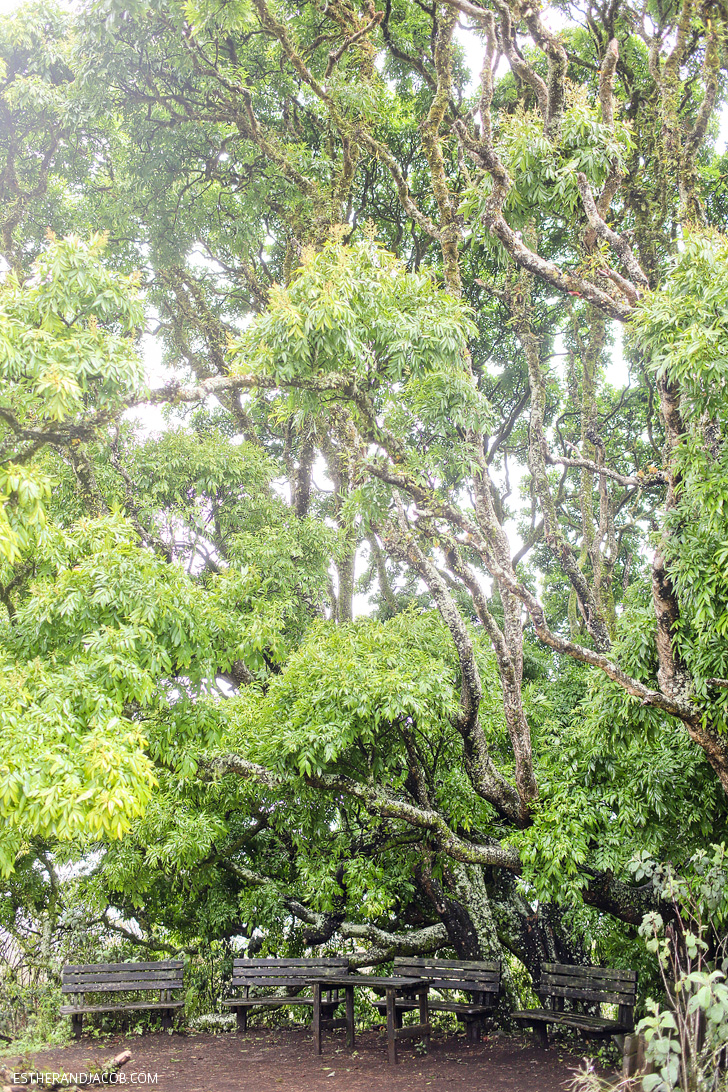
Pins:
x: 82, y: 1079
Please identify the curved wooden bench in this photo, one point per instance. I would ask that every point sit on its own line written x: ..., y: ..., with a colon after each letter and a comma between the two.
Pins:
x: 582, y: 986
x: 479, y: 978
x: 163, y: 976
x: 289, y: 974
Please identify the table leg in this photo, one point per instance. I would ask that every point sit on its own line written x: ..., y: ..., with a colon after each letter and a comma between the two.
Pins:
x: 391, y: 1025
x: 349, y: 1017
x: 317, y: 1017
x: 425, y: 1014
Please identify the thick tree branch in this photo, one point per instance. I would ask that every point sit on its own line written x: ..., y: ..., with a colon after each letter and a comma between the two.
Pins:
x: 377, y: 802
x: 618, y: 243
x: 485, y: 778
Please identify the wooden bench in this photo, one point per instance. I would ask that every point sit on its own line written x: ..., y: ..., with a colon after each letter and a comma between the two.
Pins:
x: 163, y: 976
x: 582, y: 987
x: 290, y: 974
x: 479, y: 979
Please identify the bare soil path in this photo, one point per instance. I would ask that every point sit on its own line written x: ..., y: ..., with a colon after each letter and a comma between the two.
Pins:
x: 282, y: 1060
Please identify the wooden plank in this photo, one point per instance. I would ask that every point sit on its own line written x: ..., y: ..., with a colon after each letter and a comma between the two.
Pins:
x: 469, y: 964
x: 69, y: 1010
x: 607, y: 973
x: 468, y: 985
x: 157, y: 964
x: 302, y: 973
x: 124, y: 972
x: 265, y: 980
x: 261, y: 975
x: 448, y: 976
x: 269, y: 983
x: 83, y: 980
x: 466, y: 1010
x: 620, y: 985
x: 576, y: 993
x: 569, y: 1019
x: 249, y: 1002
x: 551, y: 982
x: 586, y: 1023
x: 119, y: 987
x: 451, y: 976
x: 437, y: 1006
x: 88, y: 982
x: 338, y: 961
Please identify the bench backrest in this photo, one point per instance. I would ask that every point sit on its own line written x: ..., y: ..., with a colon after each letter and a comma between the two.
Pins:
x: 468, y: 975
x: 592, y: 984
x: 285, y: 972
x: 115, y: 977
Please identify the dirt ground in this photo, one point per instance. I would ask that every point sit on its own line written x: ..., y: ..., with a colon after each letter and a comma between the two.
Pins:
x: 283, y: 1059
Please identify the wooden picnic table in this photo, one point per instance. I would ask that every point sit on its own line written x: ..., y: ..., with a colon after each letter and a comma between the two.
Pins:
x: 393, y: 988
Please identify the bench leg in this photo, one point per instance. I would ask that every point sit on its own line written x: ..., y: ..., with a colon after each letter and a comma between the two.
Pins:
x: 241, y: 1016
x: 317, y: 1017
x: 424, y: 1014
x: 166, y: 1018
x: 77, y: 1024
x: 391, y: 1027
x: 349, y: 1016
x: 472, y: 1030
x: 542, y: 1035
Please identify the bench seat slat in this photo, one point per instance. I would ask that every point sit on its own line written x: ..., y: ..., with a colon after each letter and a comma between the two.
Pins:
x: 570, y: 1019
x: 438, y: 1006
x: 293, y: 983
x: 248, y: 1002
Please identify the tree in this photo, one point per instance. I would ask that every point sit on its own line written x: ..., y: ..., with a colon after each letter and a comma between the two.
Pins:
x: 247, y: 159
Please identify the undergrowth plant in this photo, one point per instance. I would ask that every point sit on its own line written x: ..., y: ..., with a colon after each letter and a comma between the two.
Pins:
x: 686, y: 1031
